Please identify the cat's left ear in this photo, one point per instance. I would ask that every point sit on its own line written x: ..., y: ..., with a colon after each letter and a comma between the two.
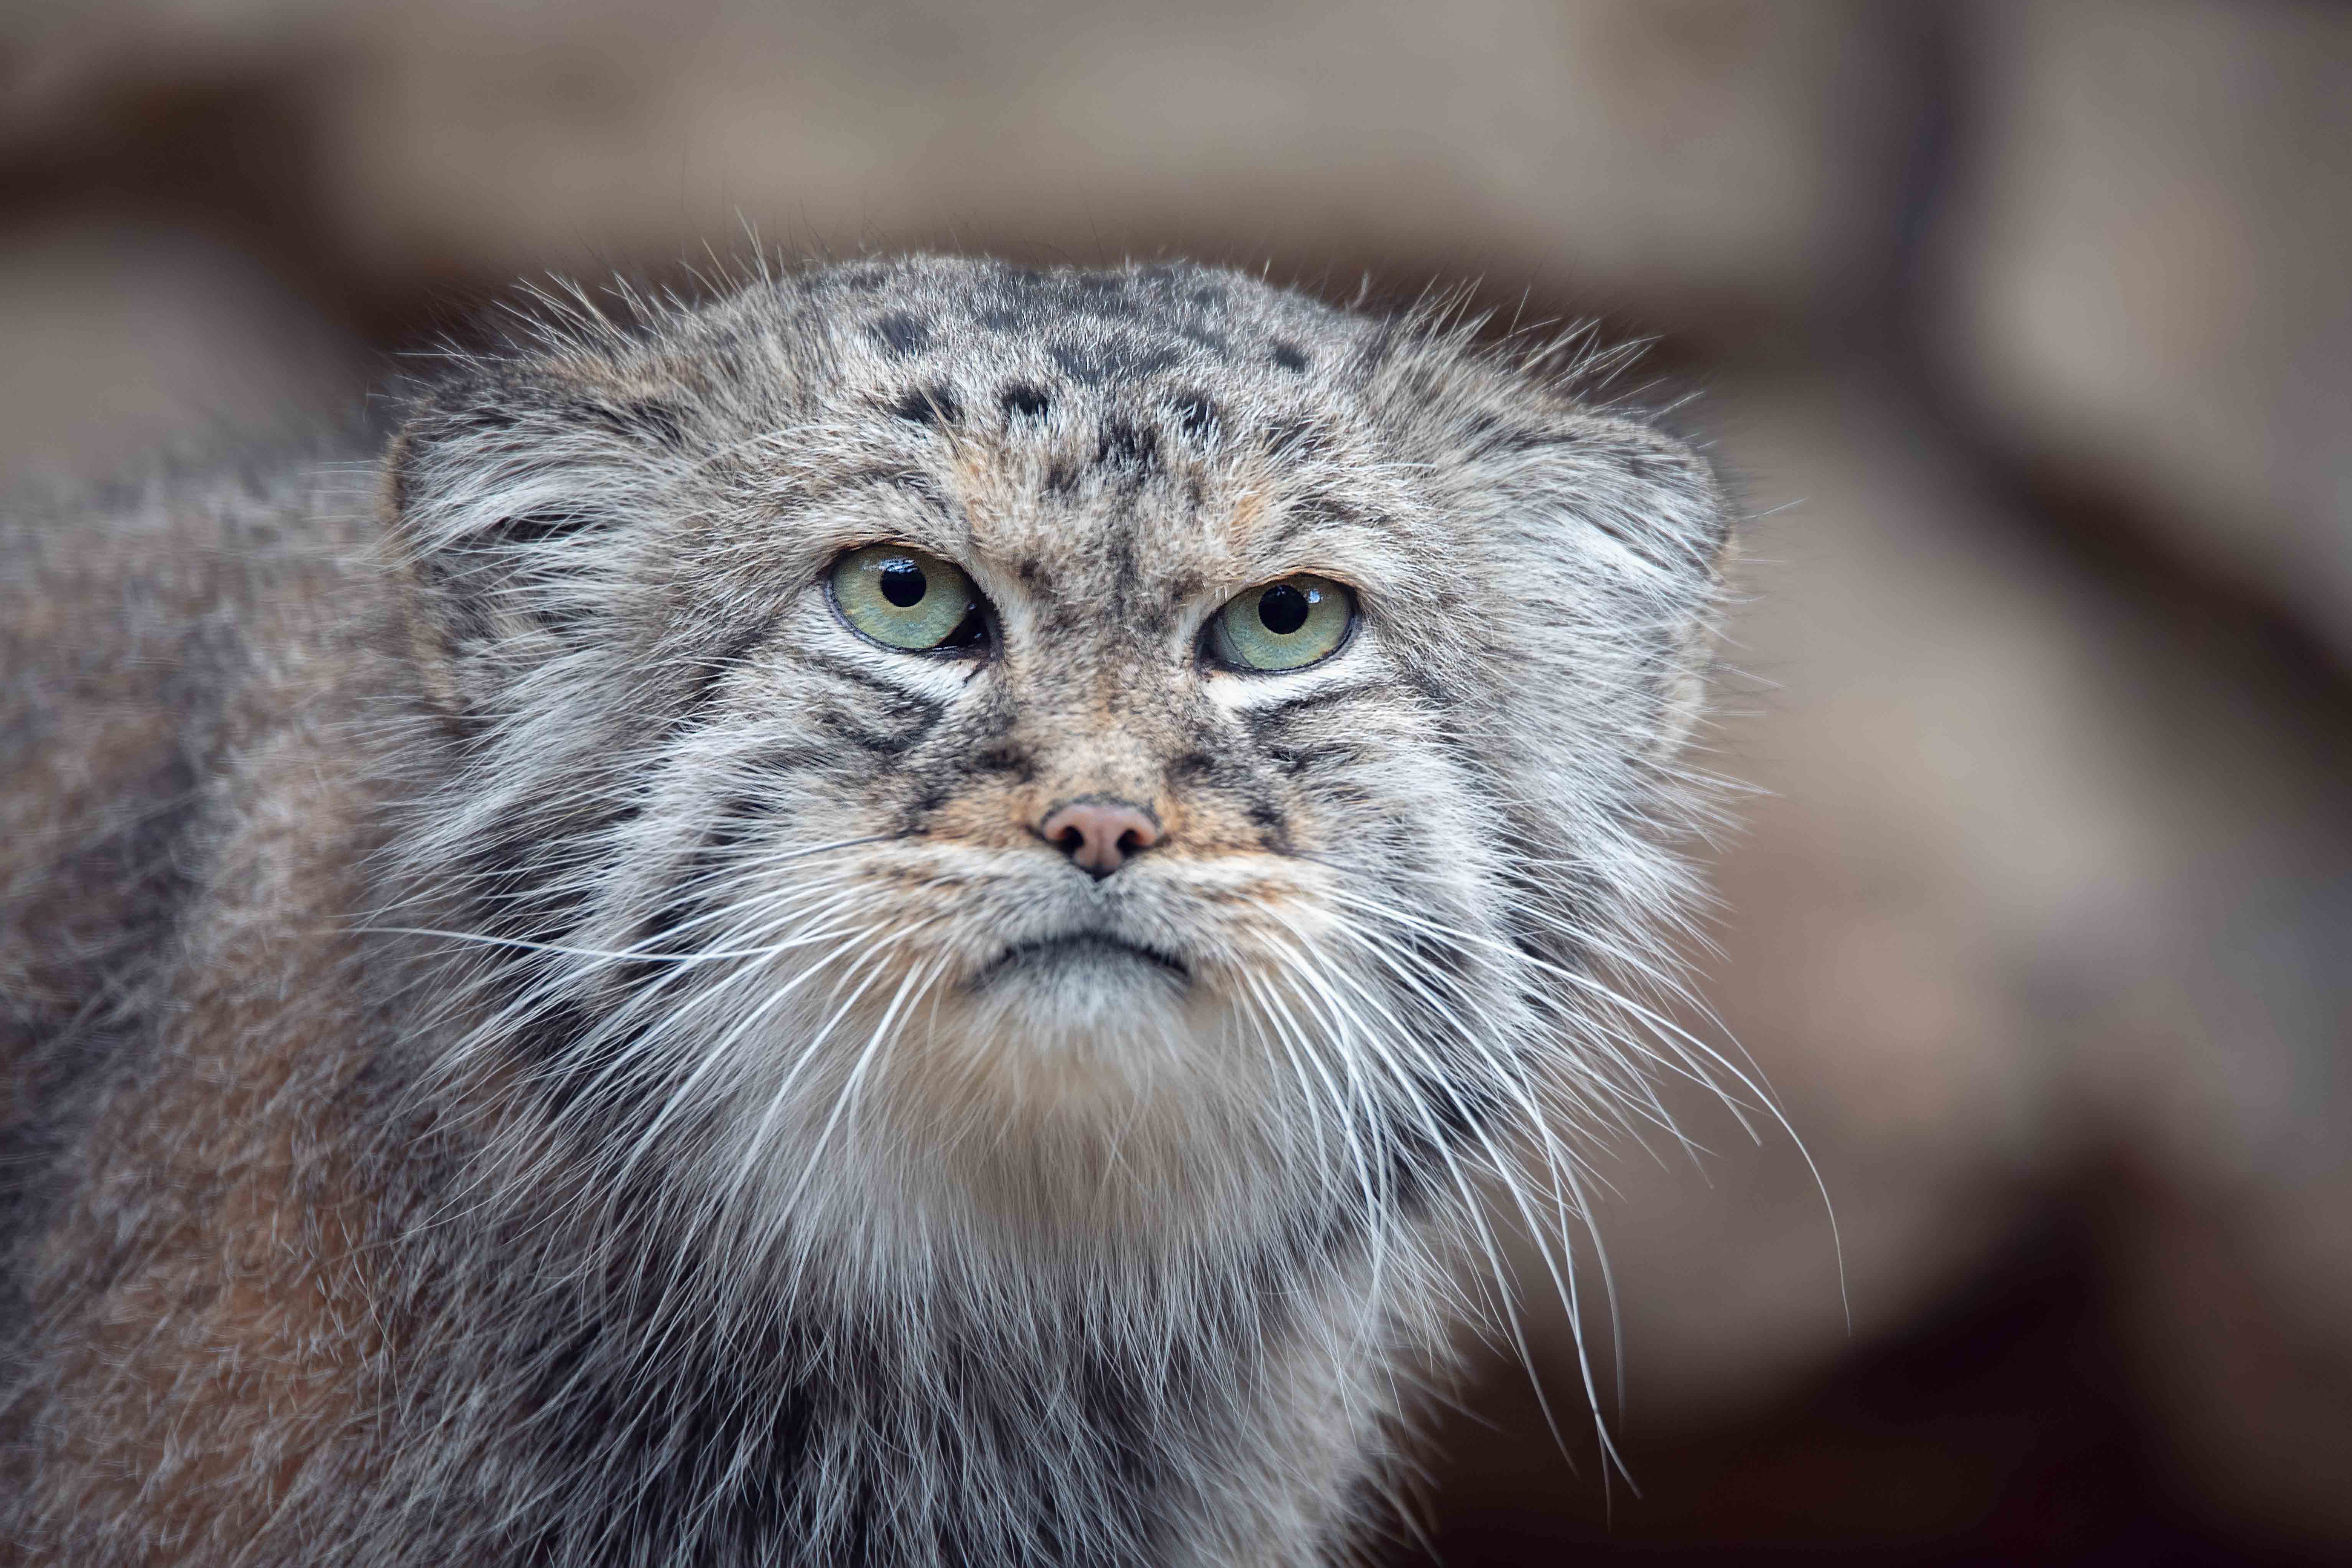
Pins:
x: 1628, y: 538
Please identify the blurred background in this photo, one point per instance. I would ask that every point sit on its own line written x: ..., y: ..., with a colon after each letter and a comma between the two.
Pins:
x: 2023, y: 333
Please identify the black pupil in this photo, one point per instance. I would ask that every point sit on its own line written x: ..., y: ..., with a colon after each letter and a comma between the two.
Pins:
x: 903, y: 584
x: 1282, y: 609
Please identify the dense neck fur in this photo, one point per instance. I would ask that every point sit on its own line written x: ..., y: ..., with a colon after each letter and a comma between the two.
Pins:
x: 897, y: 1372
x: 680, y: 1408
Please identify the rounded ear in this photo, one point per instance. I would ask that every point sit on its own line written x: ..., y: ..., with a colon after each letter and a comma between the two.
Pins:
x: 512, y: 497
x: 1630, y: 538
x: 1675, y: 515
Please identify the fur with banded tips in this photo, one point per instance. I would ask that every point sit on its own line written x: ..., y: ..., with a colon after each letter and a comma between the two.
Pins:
x: 533, y: 1042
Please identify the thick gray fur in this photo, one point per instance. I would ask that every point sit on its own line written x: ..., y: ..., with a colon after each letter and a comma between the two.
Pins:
x: 529, y: 1041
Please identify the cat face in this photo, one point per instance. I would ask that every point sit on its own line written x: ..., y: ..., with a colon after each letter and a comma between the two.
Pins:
x: 1055, y: 742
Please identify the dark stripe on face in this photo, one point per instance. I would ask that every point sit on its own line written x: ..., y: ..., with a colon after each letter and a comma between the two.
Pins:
x: 911, y: 720
x: 536, y: 526
x: 1274, y: 828
x: 853, y: 673
x: 893, y: 720
x: 1442, y: 969
x: 1314, y: 759
x: 690, y: 916
x: 1004, y: 759
x: 794, y: 761
x: 1261, y: 722
x: 642, y: 420
x: 1198, y: 768
x: 715, y: 668
x: 685, y: 921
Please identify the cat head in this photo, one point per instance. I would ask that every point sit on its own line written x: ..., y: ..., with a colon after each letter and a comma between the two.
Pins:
x: 1066, y: 748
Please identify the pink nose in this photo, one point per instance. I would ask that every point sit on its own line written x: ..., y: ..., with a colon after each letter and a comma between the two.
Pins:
x: 1099, y: 835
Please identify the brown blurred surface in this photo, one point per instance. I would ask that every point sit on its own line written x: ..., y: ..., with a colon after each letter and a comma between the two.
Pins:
x: 2022, y: 330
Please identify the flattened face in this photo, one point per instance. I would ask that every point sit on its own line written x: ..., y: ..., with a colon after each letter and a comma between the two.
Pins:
x: 1096, y: 847
x: 1043, y: 735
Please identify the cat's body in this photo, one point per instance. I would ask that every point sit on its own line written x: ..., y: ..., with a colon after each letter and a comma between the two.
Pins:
x: 533, y: 1037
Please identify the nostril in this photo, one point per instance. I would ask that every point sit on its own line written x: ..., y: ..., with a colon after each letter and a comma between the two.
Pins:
x: 1099, y: 835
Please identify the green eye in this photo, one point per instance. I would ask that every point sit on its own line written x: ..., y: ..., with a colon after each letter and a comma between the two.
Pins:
x: 903, y: 598
x: 1283, y: 626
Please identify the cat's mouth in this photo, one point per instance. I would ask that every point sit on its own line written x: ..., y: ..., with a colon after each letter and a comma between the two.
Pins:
x: 1080, y: 950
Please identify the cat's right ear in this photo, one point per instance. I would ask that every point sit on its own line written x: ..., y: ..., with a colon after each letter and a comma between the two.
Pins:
x: 515, y: 502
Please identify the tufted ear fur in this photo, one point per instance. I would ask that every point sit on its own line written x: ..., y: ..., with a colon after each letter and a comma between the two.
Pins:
x: 1628, y: 537
x: 1675, y: 518
x: 515, y: 496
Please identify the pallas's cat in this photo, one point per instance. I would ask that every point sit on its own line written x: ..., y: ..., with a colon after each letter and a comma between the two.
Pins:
x: 896, y: 917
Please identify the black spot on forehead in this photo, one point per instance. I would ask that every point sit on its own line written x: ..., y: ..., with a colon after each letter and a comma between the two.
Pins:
x: 1124, y: 444
x: 1023, y: 402
x: 1196, y: 414
x: 902, y: 333
x: 1289, y: 356
x: 929, y: 406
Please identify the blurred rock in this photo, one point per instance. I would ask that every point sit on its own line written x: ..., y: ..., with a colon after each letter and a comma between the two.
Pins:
x: 2149, y: 274
x: 1685, y: 159
x: 125, y: 339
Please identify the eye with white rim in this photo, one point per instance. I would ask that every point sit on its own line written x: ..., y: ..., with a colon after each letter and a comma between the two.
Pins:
x: 1288, y: 624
